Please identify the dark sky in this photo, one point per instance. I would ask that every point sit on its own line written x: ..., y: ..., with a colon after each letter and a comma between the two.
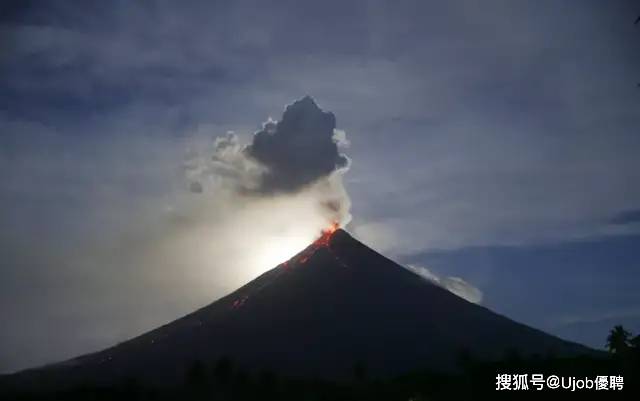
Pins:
x: 492, y: 141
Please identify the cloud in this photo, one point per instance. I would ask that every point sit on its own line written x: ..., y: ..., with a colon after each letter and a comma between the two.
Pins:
x: 195, y: 187
x: 299, y: 153
x: 139, y: 217
x: 627, y: 217
x: 297, y: 150
x: 456, y: 285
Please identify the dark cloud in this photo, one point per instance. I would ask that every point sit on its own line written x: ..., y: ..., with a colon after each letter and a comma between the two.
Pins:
x: 298, y: 155
x: 297, y: 150
x: 627, y: 217
x: 195, y: 187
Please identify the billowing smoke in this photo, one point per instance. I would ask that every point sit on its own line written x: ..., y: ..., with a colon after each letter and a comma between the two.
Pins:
x: 298, y: 150
x: 243, y: 209
x: 298, y: 154
x: 456, y: 285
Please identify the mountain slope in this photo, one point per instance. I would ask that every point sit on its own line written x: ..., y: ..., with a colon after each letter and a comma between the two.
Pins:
x: 336, y: 303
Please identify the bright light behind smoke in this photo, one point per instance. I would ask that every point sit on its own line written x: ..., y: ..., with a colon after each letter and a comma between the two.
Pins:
x: 292, y: 224
x: 278, y: 249
x: 219, y: 240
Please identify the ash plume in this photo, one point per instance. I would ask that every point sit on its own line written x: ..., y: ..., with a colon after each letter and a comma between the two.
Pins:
x: 297, y: 150
x: 299, y: 154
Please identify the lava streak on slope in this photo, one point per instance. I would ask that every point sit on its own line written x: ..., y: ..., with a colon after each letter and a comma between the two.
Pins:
x: 326, y: 236
x: 323, y: 241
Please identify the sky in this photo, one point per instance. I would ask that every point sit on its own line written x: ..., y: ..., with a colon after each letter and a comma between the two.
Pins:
x: 489, y: 146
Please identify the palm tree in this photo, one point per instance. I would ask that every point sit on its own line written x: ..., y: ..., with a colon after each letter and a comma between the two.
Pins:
x: 618, y: 340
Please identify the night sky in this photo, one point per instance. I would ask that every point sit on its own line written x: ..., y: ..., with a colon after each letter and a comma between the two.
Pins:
x: 490, y: 146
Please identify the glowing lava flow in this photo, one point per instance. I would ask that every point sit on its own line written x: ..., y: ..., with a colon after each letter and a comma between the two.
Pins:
x: 326, y: 236
x: 323, y: 241
x: 239, y: 302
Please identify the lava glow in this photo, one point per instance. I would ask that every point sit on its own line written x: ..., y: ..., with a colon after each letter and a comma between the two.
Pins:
x: 239, y: 302
x: 326, y: 235
x: 274, y: 249
x: 323, y: 241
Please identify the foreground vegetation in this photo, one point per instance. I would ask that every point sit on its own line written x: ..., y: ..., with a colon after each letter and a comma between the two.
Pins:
x: 475, y: 380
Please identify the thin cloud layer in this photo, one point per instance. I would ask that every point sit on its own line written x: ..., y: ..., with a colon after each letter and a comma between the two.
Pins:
x: 456, y: 285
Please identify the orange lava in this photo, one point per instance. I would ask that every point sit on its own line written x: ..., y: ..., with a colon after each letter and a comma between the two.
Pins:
x: 323, y: 241
x: 326, y: 235
x: 239, y: 302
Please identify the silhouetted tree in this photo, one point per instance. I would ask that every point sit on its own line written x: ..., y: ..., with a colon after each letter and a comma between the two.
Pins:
x: 359, y: 371
x: 268, y: 383
x: 242, y: 383
x: 618, y: 340
x: 635, y: 347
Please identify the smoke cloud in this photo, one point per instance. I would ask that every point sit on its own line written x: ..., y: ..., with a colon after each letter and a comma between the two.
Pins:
x: 300, y: 153
x: 124, y: 222
x: 298, y: 150
x: 456, y: 285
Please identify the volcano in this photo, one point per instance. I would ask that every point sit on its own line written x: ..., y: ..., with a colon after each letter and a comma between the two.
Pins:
x: 335, y: 304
